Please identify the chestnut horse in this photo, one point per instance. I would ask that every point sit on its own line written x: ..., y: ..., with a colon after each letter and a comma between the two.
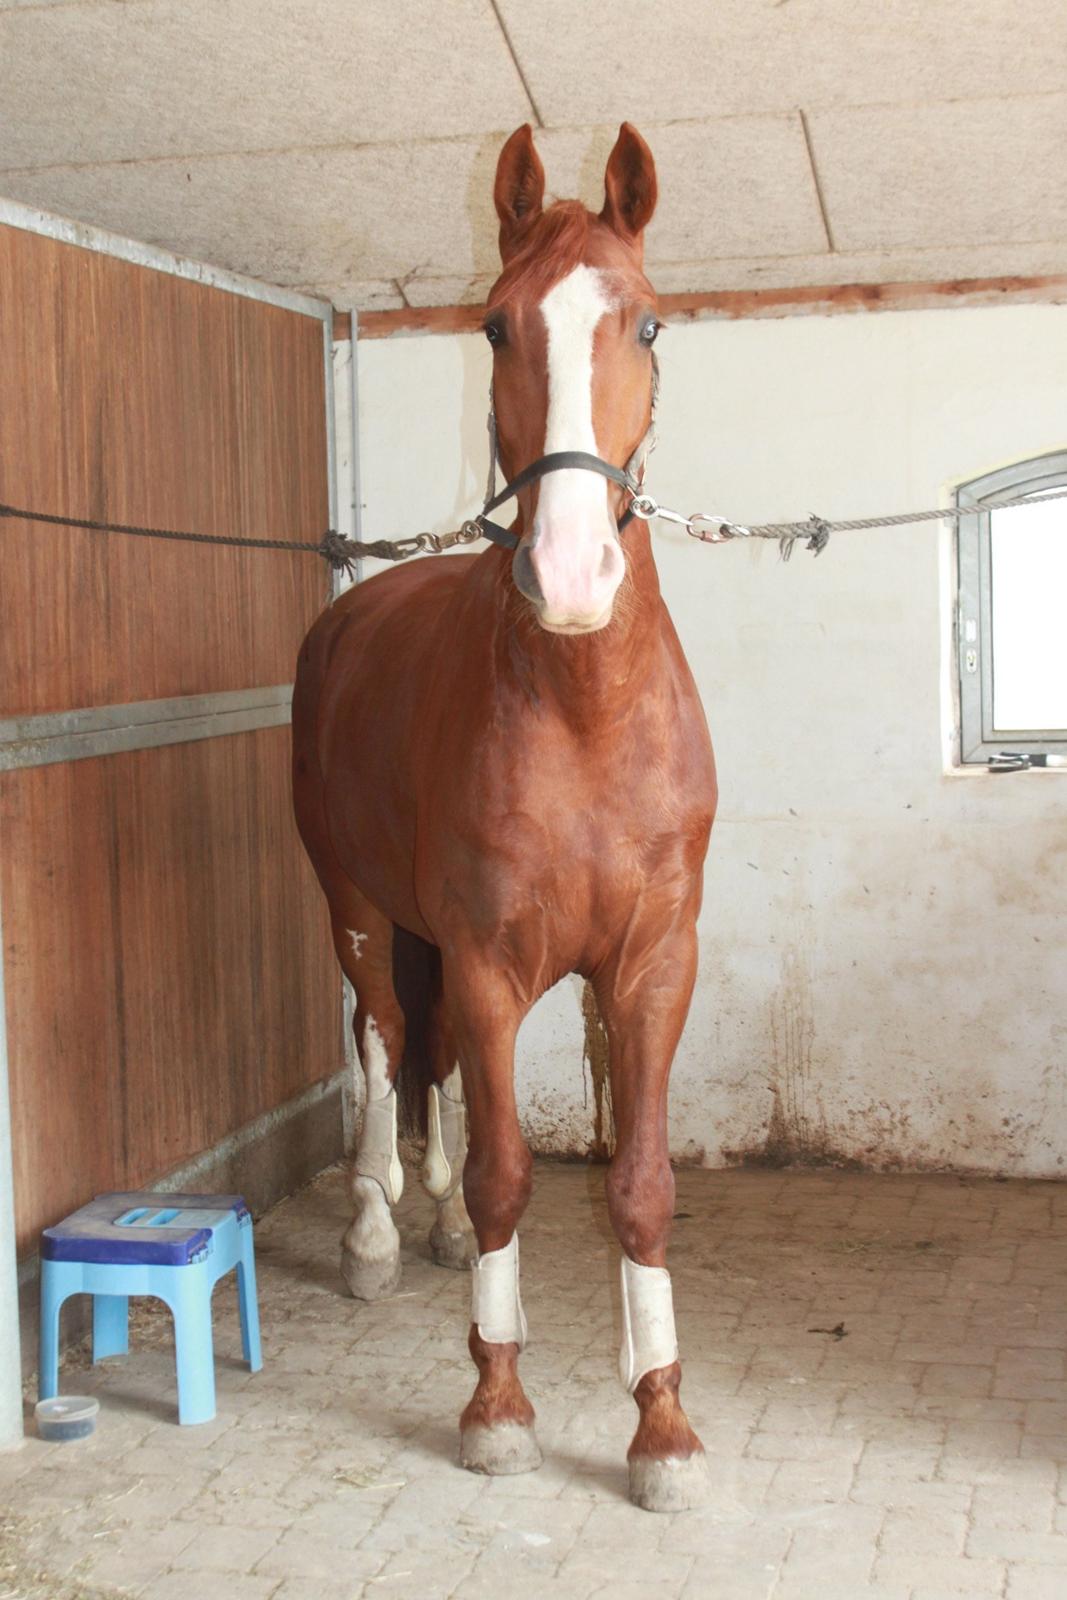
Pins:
x: 502, y: 764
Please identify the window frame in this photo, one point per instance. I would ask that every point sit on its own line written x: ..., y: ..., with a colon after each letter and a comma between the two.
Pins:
x: 979, y: 737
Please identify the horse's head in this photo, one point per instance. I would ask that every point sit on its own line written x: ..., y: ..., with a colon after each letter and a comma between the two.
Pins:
x: 571, y: 319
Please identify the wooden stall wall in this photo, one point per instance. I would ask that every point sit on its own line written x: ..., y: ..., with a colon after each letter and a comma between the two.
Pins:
x: 167, y: 956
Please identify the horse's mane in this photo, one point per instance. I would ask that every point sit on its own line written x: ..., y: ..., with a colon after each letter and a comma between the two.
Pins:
x: 555, y: 245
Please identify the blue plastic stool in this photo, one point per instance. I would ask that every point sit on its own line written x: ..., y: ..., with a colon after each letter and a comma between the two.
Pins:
x: 173, y: 1246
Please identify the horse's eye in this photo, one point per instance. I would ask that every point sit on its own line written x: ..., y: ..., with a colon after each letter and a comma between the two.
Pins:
x: 494, y: 333
x: 649, y: 331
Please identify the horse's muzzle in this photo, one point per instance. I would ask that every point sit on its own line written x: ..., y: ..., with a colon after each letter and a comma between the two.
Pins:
x: 570, y: 581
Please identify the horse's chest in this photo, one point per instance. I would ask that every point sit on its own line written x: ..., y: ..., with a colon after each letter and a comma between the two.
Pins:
x: 554, y: 845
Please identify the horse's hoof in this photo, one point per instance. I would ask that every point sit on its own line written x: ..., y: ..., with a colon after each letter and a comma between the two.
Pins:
x: 676, y: 1483
x: 374, y: 1279
x: 505, y: 1447
x: 456, y: 1250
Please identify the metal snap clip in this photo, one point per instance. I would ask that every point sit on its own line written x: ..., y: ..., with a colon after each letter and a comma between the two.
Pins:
x: 710, y: 528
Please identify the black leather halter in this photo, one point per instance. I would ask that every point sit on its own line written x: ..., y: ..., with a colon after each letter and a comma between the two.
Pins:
x: 628, y: 477
x: 558, y: 461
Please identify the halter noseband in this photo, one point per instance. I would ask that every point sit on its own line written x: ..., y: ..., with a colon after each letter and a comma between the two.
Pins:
x: 629, y: 477
x: 557, y: 462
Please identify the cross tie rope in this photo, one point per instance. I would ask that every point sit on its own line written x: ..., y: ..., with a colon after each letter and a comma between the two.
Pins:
x: 342, y: 553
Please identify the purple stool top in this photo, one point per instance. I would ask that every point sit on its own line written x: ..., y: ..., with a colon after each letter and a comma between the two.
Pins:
x: 142, y: 1227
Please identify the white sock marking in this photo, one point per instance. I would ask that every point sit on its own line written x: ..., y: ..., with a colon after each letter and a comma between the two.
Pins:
x: 375, y: 1061
x: 378, y: 1156
x: 452, y: 1088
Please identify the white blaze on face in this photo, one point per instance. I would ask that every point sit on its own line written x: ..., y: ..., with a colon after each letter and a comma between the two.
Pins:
x: 574, y: 546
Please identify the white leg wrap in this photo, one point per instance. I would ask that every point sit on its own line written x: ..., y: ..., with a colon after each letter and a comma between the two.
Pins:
x: 496, y: 1309
x: 378, y: 1157
x: 446, y: 1139
x: 648, y: 1337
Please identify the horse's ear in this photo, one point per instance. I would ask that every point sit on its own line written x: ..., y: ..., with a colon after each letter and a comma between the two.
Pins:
x: 630, y: 187
x: 519, y: 188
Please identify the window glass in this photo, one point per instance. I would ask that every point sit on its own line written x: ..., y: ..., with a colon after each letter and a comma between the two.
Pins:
x: 1028, y: 552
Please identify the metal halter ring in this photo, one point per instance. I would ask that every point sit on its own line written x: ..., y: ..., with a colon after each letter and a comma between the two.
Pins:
x: 643, y: 506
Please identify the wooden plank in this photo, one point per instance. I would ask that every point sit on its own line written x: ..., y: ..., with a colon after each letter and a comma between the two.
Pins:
x: 148, y: 398
x: 170, y: 972
x: 169, y: 967
x: 424, y: 319
x: 827, y: 300
x: 731, y: 304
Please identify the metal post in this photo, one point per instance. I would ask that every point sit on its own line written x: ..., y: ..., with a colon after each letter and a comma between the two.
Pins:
x: 349, y: 513
x: 10, y: 1352
x: 357, y: 486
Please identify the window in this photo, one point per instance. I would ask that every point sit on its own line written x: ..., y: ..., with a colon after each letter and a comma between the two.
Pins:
x: 1012, y: 619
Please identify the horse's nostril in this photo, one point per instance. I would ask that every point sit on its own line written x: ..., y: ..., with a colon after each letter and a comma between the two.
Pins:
x: 609, y: 560
x: 522, y: 570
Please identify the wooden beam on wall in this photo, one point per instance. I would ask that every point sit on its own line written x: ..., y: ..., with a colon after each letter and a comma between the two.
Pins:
x: 820, y: 300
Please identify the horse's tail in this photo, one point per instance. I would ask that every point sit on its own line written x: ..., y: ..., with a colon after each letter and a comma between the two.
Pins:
x: 417, y: 982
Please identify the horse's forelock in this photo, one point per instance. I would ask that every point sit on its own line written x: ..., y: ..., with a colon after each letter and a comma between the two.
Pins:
x: 556, y: 245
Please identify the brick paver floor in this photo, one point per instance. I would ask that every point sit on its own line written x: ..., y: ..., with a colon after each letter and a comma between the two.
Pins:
x: 875, y: 1364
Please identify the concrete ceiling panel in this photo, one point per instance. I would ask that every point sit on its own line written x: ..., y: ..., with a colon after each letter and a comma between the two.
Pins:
x: 129, y: 82
x: 364, y: 295
x: 350, y: 149
x: 379, y: 212
x: 427, y: 291
x: 947, y: 263
x: 971, y: 171
x: 692, y: 58
x: 425, y: 210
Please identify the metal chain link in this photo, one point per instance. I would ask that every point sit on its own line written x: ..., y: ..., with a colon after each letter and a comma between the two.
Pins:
x: 342, y: 553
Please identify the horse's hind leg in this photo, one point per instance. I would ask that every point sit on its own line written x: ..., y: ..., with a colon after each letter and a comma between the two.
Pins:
x: 430, y: 1069
x: 370, y: 1250
x: 452, y: 1241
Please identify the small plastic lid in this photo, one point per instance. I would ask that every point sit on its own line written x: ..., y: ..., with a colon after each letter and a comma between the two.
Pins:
x: 68, y: 1416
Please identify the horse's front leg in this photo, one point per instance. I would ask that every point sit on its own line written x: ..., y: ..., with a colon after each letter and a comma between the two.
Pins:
x: 644, y: 1004
x: 496, y: 1428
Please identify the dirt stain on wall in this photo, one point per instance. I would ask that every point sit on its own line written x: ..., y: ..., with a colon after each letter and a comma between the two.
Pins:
x: 796, y: 1116
x: 796, y: 1133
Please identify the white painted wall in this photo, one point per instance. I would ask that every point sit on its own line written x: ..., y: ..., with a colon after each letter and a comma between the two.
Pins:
x: 884, y: 944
